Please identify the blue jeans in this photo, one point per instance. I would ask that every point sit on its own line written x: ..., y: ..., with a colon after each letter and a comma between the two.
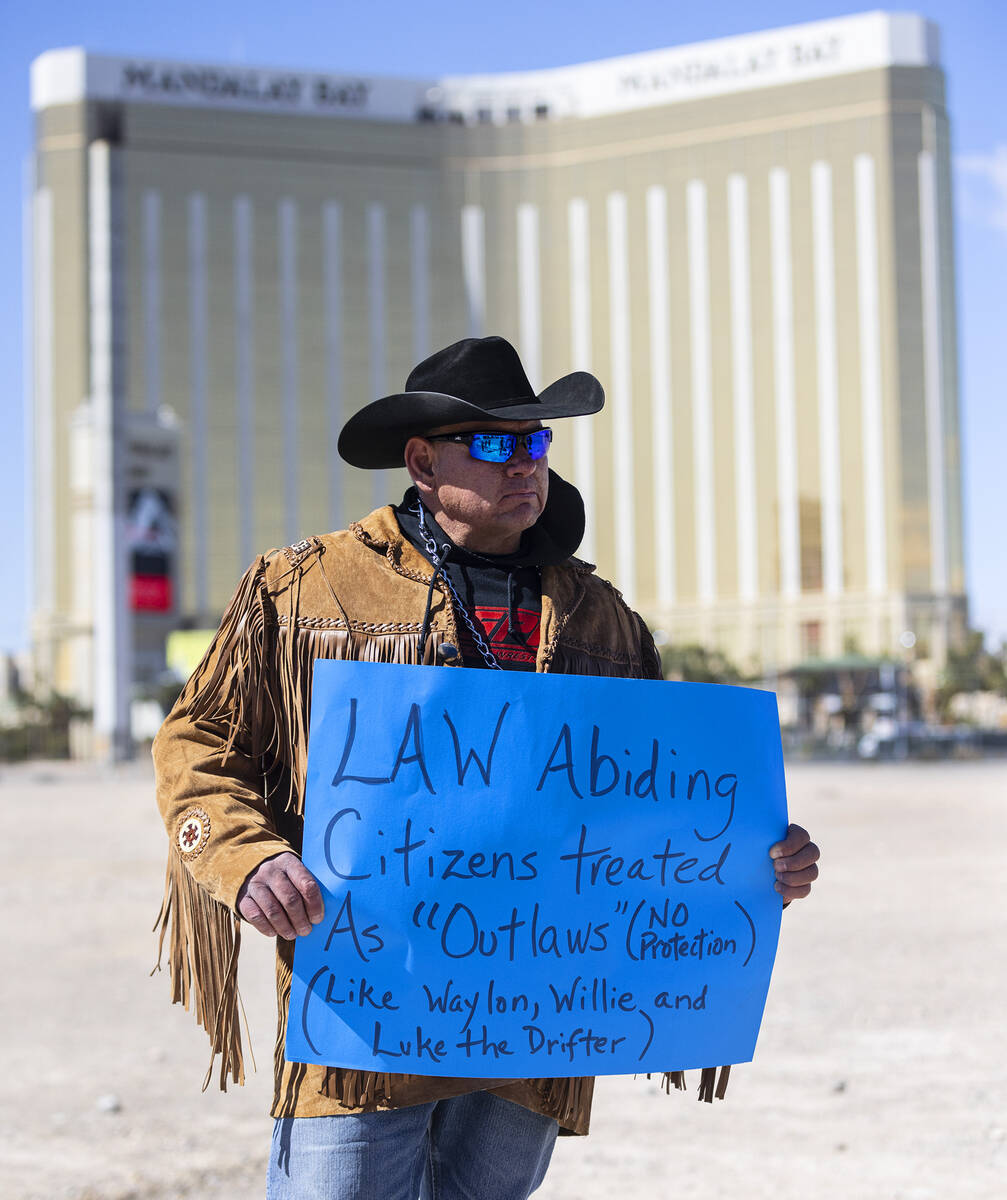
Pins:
x: 473, y: 1147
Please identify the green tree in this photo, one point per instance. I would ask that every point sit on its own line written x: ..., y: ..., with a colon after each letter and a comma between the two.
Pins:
x: 972, y: 668
x: 42, y: 727
x: 697, y: 664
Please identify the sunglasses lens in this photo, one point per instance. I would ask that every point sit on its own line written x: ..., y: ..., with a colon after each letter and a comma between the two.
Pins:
x: 499, y: 447
x: 492, y: 447
x: 538, y: 442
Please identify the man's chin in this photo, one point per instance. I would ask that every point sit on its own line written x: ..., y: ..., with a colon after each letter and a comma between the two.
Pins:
x: 523, y: 514
x: 519, y: 501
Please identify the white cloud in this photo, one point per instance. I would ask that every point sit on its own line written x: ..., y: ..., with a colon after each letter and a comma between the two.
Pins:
x: 988, y: 205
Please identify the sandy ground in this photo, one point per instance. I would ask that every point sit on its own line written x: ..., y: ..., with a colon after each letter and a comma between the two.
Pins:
x: 880, y: 1070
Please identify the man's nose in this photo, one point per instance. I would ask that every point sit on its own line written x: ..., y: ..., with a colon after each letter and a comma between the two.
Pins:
x: 521, y: 462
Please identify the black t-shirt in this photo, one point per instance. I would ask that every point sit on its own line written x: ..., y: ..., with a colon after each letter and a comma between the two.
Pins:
x: 502, y: 594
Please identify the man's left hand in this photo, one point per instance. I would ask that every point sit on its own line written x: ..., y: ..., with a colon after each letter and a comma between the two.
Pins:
x: 795, y: 860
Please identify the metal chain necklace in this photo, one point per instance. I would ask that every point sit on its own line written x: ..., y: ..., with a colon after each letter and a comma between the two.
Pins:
x: 430, y: 546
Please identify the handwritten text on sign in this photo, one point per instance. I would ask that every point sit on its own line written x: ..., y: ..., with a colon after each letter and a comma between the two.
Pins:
x: 535, y: 875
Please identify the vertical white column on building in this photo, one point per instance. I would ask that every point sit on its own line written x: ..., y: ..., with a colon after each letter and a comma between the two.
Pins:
x: 113, y: 634
x: 419, y: 249
x: 702, y: 394
x: 152, y: 299
x: 290, y: 357
x: 663, y: 447
x: 871, y: 416
x: 244, y: 374
x: 622, y: 394
x: 783, y: 373
x: 43, y: 523
x: 332, y: 283
x: 823, y: 259
x: 376, y: 311
x: 474, y: 267
x: 578, y: 233
x: 529, y: 293
x: 198, y: 419
x: 29, y: 374
x: 933, y: 370
x: 744, y: 414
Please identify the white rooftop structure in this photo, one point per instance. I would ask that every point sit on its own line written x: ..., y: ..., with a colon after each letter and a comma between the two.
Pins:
x: 759, y: 60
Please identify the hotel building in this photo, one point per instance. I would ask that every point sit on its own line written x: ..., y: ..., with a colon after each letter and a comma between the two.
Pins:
x: 748, y: 240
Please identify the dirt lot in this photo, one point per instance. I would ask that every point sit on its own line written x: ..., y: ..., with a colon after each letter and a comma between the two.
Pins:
x: 880, y: 1070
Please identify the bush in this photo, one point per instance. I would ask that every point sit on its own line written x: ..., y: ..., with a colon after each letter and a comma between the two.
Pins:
x: 41, y: 728
x: 973, y: 668
x: 698, y: 664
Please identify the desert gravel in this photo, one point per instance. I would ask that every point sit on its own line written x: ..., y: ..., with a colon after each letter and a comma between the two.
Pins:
x: 880, y: 1070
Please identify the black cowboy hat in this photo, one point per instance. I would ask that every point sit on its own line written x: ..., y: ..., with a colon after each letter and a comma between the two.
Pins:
x: 469, y: 381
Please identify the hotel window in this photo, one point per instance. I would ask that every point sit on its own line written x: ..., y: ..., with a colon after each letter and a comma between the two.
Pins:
x: 811, y: 544
x: 811, y: 639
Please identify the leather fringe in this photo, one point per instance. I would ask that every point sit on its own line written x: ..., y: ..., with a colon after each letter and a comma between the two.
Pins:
x: 710, y: 1087
x: 225, y: 688
x: 356, y: 1089
x: 571, y: 661
x: 255, y: 684
x: 259, y: 671
x: 707, y: 1082
x: 299, y: 647
x: 204, y: 939
x: 568, y: 1100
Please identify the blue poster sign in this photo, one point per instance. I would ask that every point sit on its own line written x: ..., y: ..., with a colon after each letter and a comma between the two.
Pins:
x: 536, y: 875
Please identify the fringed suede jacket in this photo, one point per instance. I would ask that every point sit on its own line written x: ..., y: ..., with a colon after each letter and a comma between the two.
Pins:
x: 231, y: 760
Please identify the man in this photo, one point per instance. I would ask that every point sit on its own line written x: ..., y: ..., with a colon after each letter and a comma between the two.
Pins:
x: 473, y: 568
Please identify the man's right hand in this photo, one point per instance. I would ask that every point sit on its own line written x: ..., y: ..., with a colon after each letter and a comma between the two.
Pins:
x: 281, y: 898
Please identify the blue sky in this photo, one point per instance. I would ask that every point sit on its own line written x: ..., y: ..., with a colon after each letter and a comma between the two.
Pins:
x: 452, y: 37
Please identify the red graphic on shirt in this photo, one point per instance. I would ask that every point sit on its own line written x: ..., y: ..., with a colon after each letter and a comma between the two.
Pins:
x: 513, y: 636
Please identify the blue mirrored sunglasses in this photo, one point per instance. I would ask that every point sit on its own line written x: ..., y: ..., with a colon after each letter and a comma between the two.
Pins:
x: 499, y: 447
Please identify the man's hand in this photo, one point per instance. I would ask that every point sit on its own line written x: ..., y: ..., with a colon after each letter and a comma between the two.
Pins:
x: 281, y: 898
x: 794, y: 860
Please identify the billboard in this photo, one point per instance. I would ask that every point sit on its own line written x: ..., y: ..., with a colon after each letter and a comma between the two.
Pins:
x: 151, y: 474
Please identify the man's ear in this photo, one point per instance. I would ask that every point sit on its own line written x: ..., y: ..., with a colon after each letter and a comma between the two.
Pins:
x: 419, y: 458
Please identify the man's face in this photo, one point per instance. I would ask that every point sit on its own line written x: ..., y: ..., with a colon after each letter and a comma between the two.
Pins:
x: 483, y: 506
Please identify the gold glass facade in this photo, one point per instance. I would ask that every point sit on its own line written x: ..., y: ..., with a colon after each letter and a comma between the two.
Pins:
x: 758, y: 267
